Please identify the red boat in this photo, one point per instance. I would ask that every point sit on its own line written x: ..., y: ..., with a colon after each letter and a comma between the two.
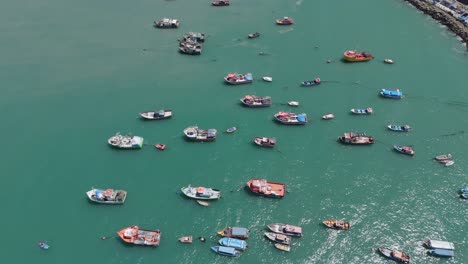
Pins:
x: 221, y: 3
x: 160, y: 146
x: 137, y: 236
x: 285, y: 21
x: 268, y: 189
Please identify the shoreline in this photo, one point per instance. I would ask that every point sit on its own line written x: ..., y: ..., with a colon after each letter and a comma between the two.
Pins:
x: 443, y: 17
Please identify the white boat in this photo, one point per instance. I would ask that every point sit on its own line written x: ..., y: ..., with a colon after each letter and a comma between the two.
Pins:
x: 196, y: 134
x: 443, y: 157
x: 447, y: 163
x: 293, y: 103
x: 438, y: 244
x: 267, y: 79
x: 282, y: 247
x: 108, y: 196
x: 389, y: 61
x: 156, y: 115
x: 125, y: 142
x: 201, y: 193
x: 328, y: 116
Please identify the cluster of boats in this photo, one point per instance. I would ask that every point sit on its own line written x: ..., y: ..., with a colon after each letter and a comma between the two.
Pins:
x: 436, y: 248
x: 191, y: 43
x: 445, y: 159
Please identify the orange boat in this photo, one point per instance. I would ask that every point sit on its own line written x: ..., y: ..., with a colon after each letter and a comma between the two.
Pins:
x: 268, y: 189
x: 336, y: 224
x: 137, y: 236
x: 354, y: 56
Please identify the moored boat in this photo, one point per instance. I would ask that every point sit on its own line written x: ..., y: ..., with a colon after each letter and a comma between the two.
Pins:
x: 265, y: 142
x: 267, y: 78
x: 231, y: 129
x: 156, y: 115
x: 313, y: 82
x: 233, y: 242
x: 434, y: 244
x: 186, y: 239
x: 283, y: 247
x: 226, y: 251
x: 402, y: 128
x: 235, y: 232
x: 337, y: 224
x: 443, y: 157
x: 362, y: 111
x: 328, y: 116
x: 107, y: 196
x: 393, y: 94
x: 201, y: 193
x: 197, y: 36
x: 167, y: 23
x: 446, y: 253
x: 125, y: 141
x: 195, y: 134
x: 43, y: 245
x: 293, y: 103
x: 285, y: 21
x: 256, y: 101
x: 235, y: 79
x: 265, y: 188
x: 221, y: 3
x: 291, y: 118
x: 355, y: 56
x: 388, y: 61
x: 137, y: 236
x: 285, y: 229
x: 395, y: 255
x: 404, y: 150
x: 254, y: 35
x: 356, y: 139
x: 278, y: 238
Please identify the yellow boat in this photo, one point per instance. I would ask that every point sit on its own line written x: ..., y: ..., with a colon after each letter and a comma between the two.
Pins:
x: 354, y: 56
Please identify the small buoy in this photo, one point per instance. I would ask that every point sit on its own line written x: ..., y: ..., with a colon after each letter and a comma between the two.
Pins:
x: 202, y: 239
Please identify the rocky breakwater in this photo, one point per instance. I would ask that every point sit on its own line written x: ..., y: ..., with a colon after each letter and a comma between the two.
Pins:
x: 445, y: 18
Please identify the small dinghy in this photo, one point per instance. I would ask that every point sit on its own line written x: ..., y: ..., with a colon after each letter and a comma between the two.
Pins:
x: 203, y: 203
x: 156, y: 115
x: 186, y: 239
x: 446, y: 253
x: 336, y: 224
x: 43, y: 245
x: 160, y: 146
x: 403, y: 128
x: 395, y: 255
x: 267, y: 79
x: 443, y: 157
x: 293, y: 103
x: 231, y: 129
x: 388, y: 61
x: 404, y: 150
x: 282, y: 247
x: 226, y: 251
x: 315, y: 81
x: 278, y: 238
x: 107, y: 196
x: 328, y: 116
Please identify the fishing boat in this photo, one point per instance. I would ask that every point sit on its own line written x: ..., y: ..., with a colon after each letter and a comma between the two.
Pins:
x: 360, y: 111
x: 137, y: 236
x: 235, y: 79
x: 186, y: 239
x: 233, y: 242
x: 167, y: 23
x: 313, y: 82
x: 293, y: 103
x: 278, y: 238
x: 221, y: 3
x: 403, y: 128
x: 388, y: 61
x: 438, y: 244
x: 203, y: 203
x: 226, y: 251
x: 395, y: 255
x: 190, y: 50
x: 283, y: 247
x: 201, y: 193
x: 195, y: 134
x: 356, y: 139
x: 285, y: 21
x: 43, y: 245
x: 267, y: 78
x: 107, y: 196
x: 199, y: 37
x: 235, y: 232
x: 268, y: 189
x: 446, y: 253
x: 156, y: 115
x: 254, y: 35
x: 291, y: 118
x: 160, y: 146
x: 328, y: 116
x: 125, y: 141
x: 231, y: 129
x: 256, y: 101
x: 337, y: 224
x: 265, y: 142
x: 392, y: 94
x: 284, y: 229
x: 355, y: 56
x: 443, y: 157
x: 404, y: 150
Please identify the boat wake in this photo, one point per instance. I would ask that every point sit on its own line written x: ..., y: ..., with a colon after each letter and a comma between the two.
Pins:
x: 285, y: 30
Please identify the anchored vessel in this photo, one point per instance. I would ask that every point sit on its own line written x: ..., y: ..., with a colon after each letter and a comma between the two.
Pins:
x: 196, y: 134
x: 395, y: 255
x: 167, y: 23
x: 356, y: 139
x: 265, y: 188
x: 137, y: 236
x: 156, y: 115
x: 355, y: 56
x: 285, y: 229
x: 235, y: 232
x: 235, y: 79
x: 291, y: 118
x: 108, y: 196
x: 125, y: 142
x: 201, y: 193
x: 256, y: 101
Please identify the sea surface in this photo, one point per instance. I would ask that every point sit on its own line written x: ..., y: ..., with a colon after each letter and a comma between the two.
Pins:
x: 73, y: 73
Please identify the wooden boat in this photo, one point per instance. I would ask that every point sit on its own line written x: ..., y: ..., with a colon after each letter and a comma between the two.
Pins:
x: 226, y: 251
x: 283, y: 247
x: 285, y: 229
x: 356, y: 139
x: 355, y: 56
x: 328, y: 116
x: 221, y: 3
x: 190, y: 50
x: 388, y: 61
x: 291, y: 118
x: 285, y: 21
x: 254, y: 35
x: 125, y: 141
x: 137, y: 236
x: 231, y: 129
x: 236, y: 79
x: 233, y: 242
x: 395, y: 255
x: 278, y: 238
x: 438, y: 244
x: 443, y: 157
x: 167, y: 23
x: 446, y: 253
x: 366, y: 111
x: 267, y: 78
x: 195, y: 134
x: 315, y: 81
x: 265, y: 142
x: 160, y: 146
x: 403, y: 128
x: 43, y: 245
x: 156, y: 115
x: 404, y: 150
x: 336, y: 224
x: 293, y: 103
x: 268, y: 189
x: 392, y: 94
x: 235, y: 232
x: 199, y: 37
x: 256, y: 101
x: 186, y: 239
x: 201, y: 193
x: 108, y: 196
x: 203, y: 203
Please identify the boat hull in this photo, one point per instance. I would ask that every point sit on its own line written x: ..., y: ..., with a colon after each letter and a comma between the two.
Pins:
x: 93, y: 198
x: 388, y: 253
x: 192, y: 192
x: 279, y: 228
x: 147, y: 115
x: 278, y: 238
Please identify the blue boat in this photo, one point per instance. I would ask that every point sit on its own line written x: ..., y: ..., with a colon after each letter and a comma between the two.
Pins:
x: 394, y: 94
x: 231, y: 129
x: 315, y: 81
x: 441, y: 252
x: 361, y: 111
x: 43, y: 245
x: 226, y: 251
x: 404, y: 150
x: 403, y: 128
x: 234, y: 243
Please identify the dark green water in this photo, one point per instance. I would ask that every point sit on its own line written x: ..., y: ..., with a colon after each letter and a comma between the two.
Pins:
x: 75, y: 72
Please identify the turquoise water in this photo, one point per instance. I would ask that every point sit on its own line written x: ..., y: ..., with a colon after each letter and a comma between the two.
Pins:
x: 74, y: 73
